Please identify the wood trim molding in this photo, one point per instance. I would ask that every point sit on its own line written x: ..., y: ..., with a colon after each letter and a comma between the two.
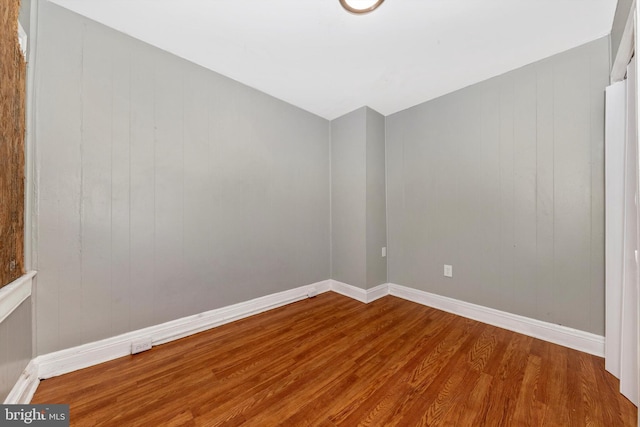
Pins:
x: 350, y: 291
x: 625, y: 49
x: 26, y: 386
x: 12, y: 295
x: 363, y: 295
x: 72, y: 359
x: 557, y: 334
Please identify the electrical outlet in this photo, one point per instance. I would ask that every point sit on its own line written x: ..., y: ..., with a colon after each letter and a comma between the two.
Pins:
x: 141, y: 345
x: 384, y: 252
x: 12, y: 265
x: 448, y: 270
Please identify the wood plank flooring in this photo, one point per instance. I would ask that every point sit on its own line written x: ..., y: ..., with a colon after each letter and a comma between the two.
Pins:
x: 332, y: 361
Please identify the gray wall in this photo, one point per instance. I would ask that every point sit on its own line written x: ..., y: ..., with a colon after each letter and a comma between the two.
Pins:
x: 358, y: 216
x: 15, y: 346
x: 619, y: 21
x: 164, y: 189
x: 376, y: 214
x: 349, y: 198
x: 504, y: 180
x: 25, y: 15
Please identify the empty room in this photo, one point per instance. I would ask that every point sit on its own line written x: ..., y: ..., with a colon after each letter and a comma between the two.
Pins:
x: 319, y: 213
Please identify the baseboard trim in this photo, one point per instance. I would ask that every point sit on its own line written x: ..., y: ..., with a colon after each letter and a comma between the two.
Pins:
x: 350, y: 291
x: 363, y: 295
x: 24, y: 389
x: 83, y: 356
x: 377, y: 292
x: 557, y: 334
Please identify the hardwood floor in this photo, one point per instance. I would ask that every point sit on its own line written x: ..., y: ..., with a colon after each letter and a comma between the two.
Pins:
x: 333, y: 361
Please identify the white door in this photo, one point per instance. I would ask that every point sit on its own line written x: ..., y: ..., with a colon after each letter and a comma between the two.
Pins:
x: 629, y: 312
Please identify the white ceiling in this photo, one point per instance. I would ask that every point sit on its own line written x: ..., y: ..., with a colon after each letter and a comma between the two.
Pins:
x: 315, y: 55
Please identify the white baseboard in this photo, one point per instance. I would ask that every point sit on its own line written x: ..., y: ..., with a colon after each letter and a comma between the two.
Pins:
x: 72, y: 359
x: 363, y: 295
x: 377, y: 292
x: 25, y: 387
x: 350, y: 291
x: 557, y: 334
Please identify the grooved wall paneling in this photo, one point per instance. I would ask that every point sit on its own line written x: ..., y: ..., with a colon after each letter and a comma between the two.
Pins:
x: 165, y: 189
x: 504, y: 180
x: 15, y: 346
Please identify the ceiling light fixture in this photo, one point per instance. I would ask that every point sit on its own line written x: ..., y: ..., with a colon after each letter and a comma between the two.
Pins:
x: 360, y: 7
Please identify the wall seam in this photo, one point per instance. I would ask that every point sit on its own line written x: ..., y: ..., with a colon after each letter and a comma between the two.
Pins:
x: 81, y: 203
x: 111, y: 287
x: 32, y: 175
x: 366, y: 197
x: 330, y: 200
x: 386, y: 203
x: 129, y: 209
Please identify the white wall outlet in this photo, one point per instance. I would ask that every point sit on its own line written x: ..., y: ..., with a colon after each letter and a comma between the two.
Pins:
x: 141, y: 345
x: 448, y: 270
x: 384, y: 251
